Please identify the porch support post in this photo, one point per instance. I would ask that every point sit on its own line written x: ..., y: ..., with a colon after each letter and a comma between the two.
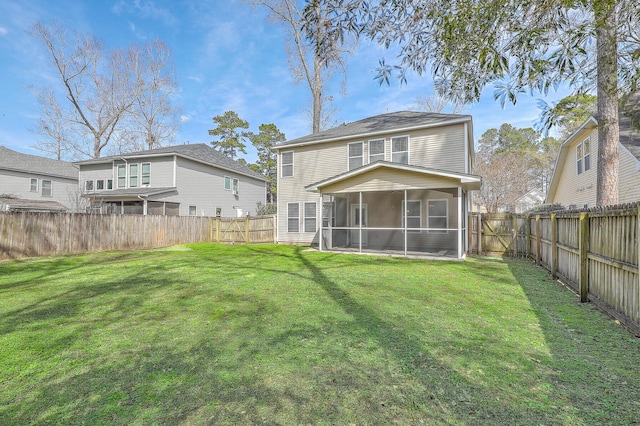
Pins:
x: 404, y: 215
x: 360, y: 222
x: 460, y: 243
x: 320, y: 245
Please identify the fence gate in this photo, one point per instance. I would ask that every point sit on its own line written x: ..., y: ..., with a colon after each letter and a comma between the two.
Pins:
x: 498, y: 234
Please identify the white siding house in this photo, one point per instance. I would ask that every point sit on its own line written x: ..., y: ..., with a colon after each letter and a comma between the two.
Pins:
x: 34, y: 183
x: 180, y: 180
x: 395, y: 182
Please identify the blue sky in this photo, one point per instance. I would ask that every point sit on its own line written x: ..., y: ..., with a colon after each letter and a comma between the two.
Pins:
x: 227, y: 56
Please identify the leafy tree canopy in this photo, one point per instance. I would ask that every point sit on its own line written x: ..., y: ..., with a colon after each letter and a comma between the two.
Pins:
x: 264, y: 141
x: 568, y: 113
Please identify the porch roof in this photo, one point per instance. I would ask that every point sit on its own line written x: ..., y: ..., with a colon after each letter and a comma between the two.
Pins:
x: 383, y: 175
x: 128, y: 193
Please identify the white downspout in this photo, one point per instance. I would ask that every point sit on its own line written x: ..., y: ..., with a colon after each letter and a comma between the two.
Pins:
x: 459, y: 222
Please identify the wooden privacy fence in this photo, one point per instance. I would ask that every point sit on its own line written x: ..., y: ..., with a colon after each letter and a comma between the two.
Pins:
x: 595, y: 252
x: 44, y: 234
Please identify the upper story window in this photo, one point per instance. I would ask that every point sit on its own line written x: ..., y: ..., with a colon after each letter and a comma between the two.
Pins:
x: 133, y: 175
x: 355, y: 152
x: 122, y: 175
x: 33, y: 185
x: 583, y: 156
x: 88, y: 185
x: 46, y: 188
x: 100, y: 184
x: 236, y: 186
x: 227, y: 183
x: 287, y: 164
x: 146, y: 173
x: 376, y: 150
x: 400, y: 149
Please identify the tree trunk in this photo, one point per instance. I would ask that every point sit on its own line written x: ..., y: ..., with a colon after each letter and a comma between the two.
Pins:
x: 608, y: 131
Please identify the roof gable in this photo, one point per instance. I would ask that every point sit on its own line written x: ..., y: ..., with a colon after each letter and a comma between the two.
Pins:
x: 17, y: 161
x: 385, y: 123
x: 396, y: 173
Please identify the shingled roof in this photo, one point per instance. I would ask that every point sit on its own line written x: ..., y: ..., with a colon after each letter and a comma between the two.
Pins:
x: 198, y: 152
x: 384, y: 123
x: 17, y: 161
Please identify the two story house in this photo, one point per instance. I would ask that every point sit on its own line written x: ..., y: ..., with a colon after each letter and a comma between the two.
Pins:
x: 34, y: 183
x: 392, y: 183
x: 184, y: 180
x: 574, y: 180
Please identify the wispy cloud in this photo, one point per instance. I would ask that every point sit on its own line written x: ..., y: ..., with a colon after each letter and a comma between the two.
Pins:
x: 3, y: 31
x: 146, y: 9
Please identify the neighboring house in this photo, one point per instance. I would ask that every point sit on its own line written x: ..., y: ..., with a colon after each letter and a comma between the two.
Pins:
x: 183, y: 180
x: 395, y: 183
x: 533, y: 198
x: 33, y: 183
x: 574, y: 179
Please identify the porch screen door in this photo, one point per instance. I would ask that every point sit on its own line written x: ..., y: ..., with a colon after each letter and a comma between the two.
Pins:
x: 355, y: 223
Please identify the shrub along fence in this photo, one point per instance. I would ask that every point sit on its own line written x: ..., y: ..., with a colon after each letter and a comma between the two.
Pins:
x: 27, y: 234
x: 594, y: 252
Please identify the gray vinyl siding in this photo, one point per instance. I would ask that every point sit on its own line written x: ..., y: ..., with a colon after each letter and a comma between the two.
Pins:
x: 161, y: 171
x: 63, y: 190
x: 440, y: 148
x: 202, y: 186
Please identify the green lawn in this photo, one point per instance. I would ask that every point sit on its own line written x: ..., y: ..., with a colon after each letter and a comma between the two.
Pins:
x: 212, y: 334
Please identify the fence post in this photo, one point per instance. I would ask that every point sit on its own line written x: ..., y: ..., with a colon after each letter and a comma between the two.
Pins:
x: 480, y: 234
x: 217, y: 229
x: 527, y: 230
x: 247, y: 228
x: 583, y: 247
x: 554, y: 246
x: 514, y: 219
x: 538, y: 241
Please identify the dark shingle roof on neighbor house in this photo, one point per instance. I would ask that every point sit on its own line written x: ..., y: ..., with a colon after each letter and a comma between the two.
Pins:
x: 18, y: 204
x: 17, y: 161
x: 384, y: 123
x: 198, y: 152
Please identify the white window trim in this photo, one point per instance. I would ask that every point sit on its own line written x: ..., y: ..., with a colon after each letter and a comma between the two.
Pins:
x: 384, y: 149
x: 126, y: 173
x: 579, y: 156
x: 407, y: 151
x: 282, y: 164
x: 298, y: 231
x: 195, y: 208
x: 42, y: 188
x: 31, y: 185
x: 349, y: 157
x: 137, y: 176
x: 402, y: 211
x: 227, y: 179
x: 87, y: 183
x: 142, y: 174
x: 315, y: 216
x: 446, y: 216
x: 585, y: 155
x: 235, y: 186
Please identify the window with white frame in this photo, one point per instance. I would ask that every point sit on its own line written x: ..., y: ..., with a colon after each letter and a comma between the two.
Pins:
x: 579, y: 159
x: 376, y: 150
x: 133, y: 175
x: 33, y: 186
x: 355, y: 153
x: 236, y: 186
x: 400, y: 149
x: 46, y: 188
x: 146, y: 173
x: 227, y: 183
x: 193, y: 210
x: 413, y: 214
x: 218, y: 211
x: 109, y: 183
x: 122, y: 175
x: 287, y: 164
x: 437, y: 216
x: 310, y: 215
x: 293, y: 217
x: 100, y: 184
x: 583, y: 156
x: 88, y: 185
